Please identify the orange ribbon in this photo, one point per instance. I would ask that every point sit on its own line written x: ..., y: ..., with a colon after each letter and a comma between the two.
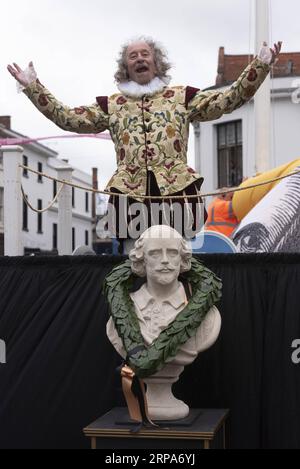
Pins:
x: 133, y: 403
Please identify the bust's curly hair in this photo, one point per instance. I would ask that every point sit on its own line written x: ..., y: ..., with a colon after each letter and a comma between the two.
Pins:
x: 160, y: 59
x: 136, y: 255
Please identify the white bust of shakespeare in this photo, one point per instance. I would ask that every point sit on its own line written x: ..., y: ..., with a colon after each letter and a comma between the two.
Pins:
x: 160, y: 255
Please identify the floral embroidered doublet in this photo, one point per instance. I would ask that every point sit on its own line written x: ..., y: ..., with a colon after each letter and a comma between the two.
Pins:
x: 150, y: 133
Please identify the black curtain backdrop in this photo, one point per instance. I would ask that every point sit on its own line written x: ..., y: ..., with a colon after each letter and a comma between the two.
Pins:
x: 60, y: 370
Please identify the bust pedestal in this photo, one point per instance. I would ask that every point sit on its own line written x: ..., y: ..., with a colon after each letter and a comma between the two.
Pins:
x: 162, y: 404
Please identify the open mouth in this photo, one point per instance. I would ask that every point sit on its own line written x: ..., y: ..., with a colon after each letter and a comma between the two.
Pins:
x: 142, y: 69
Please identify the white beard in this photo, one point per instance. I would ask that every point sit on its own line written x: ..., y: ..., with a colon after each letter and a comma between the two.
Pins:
x: 135, y: 90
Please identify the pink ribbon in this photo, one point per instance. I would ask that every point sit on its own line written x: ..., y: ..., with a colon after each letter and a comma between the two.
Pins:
x: 26, y: 140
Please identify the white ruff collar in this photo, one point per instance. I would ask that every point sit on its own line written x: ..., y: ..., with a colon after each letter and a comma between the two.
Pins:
x: 134, y: 90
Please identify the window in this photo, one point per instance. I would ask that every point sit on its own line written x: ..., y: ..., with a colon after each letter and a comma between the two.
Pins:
x: 73, y: 239
x: 40, y: 217
x: 40, y: 170
x: 25, y: 215
x: 54, y: 236
x: 230, y: 154
x: 25, y: 163
x: 54, y: 189
x: 86, y: 237
x: 86, y: 201
x: 1, y: 205
x: 73, y: 197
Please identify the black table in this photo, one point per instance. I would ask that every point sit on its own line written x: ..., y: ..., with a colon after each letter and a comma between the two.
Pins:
x: 204, y: 429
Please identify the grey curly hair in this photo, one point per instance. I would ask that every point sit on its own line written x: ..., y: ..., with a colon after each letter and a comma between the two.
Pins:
x: 136, y: 255
x: 160, y: 59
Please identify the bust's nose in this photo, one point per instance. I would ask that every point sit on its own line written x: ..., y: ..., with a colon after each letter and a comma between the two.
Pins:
x: 164, y: 259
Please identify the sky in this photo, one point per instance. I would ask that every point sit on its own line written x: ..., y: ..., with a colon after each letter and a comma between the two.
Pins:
x: 74, y: 46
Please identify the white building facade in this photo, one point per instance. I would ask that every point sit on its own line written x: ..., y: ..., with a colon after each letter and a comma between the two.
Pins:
x: 225, y: 148
x: 40, y: 230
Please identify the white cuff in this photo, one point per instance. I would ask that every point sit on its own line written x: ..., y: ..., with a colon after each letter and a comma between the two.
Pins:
x: 265, y: 55
x: 30, y: 75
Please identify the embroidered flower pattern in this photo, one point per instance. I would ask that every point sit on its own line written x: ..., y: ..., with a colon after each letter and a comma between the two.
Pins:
x: 170, y: 131
x: 148, y: 154
x: 121, y: 100
x: 191, y: 170
x: 177, y: 146
x: 42, y: 100
x: 151, y: 133
x: 126, y: 138
x: 169, y: 164
x: 122, y: 154
x: 131, y: 185
x: 170, y: 180
x: 132, y: 169
x: 169, y: 94
x: 252, y: 75
x: 79, y: 111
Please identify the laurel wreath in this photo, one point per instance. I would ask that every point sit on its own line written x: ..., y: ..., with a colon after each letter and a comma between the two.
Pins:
x: 147, y: 360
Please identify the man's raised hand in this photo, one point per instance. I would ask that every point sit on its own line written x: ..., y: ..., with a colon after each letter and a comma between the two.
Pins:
x: 275, y: 52
x: 24, y: 77
x: 270, y: 55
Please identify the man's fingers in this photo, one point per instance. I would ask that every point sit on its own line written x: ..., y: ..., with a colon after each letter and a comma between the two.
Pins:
x: 273, y: 56
x: 278, y: 47
x: 17, y: 67
x: 11, y: 70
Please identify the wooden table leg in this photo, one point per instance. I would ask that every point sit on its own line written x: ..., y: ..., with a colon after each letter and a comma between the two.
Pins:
x: 224, y: 435
x: 206, y: 444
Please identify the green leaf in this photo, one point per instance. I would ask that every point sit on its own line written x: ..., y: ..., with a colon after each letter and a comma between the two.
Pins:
x: 159, y: 136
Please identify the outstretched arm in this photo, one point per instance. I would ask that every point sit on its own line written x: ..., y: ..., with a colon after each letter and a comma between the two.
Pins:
x: 211, y: 105
x: 83, y: 119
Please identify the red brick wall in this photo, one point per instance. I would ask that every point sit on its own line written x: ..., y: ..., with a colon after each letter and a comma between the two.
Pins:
x: 231, y: 66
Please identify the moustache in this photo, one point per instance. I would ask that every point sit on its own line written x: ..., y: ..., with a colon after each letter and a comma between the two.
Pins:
x: 166, y: 269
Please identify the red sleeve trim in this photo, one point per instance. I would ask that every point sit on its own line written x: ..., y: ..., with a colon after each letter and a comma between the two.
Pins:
x: 103, y: 103
x: 190, y: 93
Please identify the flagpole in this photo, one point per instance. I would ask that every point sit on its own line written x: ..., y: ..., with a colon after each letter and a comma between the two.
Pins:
x: 262, y: 100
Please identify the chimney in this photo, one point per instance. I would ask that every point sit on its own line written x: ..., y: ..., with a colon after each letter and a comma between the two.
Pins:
x: 95, y: 186
x: 221, y: 67
x: 6, y: 121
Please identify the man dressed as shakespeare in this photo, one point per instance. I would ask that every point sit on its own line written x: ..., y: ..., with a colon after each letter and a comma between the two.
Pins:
x: 148, y: 120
